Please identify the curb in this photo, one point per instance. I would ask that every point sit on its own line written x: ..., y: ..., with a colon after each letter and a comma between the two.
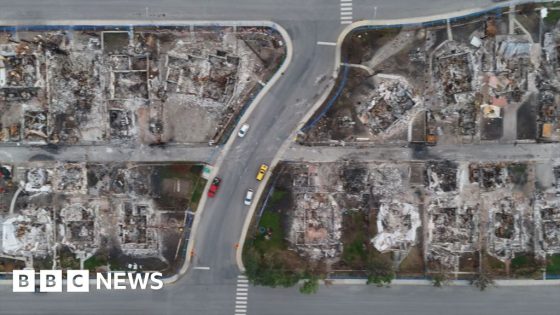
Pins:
x: 453, y: 283
x: 277, y: 75
x: 229, y: 143
x: 317, y: 105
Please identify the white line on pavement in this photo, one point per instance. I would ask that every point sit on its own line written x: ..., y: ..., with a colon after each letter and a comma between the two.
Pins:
x: 326, y: 43
x: 240, y: 302
x: 202, y: 268
x: 345, y: 13
x: 242, y: 289
x: 346, y: 9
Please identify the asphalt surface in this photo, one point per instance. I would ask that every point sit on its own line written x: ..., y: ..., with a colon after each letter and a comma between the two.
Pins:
x: 477, y: 152
x: 109, y: 153
x: 212, y: 291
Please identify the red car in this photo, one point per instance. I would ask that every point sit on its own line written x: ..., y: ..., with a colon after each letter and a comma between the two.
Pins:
x: 214, y: 187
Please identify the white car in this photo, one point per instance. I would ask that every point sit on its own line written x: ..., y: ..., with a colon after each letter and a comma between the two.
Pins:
x: 248, y: 197
x: 243, y: 130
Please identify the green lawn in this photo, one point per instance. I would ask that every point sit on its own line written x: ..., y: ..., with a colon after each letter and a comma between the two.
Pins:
x: 95, y: 261
x: 553, y: 265
x: 270, y: 221
x: 354, y: 252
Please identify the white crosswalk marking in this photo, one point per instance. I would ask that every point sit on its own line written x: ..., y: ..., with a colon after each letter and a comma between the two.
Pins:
x: 241, y: 295
x: 346, y: 11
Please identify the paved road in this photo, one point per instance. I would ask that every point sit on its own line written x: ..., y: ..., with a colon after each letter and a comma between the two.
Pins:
x: 334, y: 300
x: 478, y: 152
x: 109, y: 153
x: 309, y: 21
x: 407, y: 300
x: 309, y: 11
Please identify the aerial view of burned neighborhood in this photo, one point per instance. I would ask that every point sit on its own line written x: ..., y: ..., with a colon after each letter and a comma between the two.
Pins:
x: 431, y: 153
x: 102, y: 88
x: 405, y: 170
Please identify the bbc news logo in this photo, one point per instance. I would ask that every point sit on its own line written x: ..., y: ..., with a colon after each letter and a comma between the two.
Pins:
x: 78, y: 281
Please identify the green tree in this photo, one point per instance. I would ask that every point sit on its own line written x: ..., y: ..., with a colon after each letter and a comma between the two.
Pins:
x: 379, y: 271
x: 482, y: 280
x: 310, y: 286
x: 440, y: 279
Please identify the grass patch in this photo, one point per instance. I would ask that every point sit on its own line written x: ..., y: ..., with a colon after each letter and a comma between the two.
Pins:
x: 553, y: 15
x: 198, y: 190
x: 553, y: 265
x: 68, y: 260
x: 494, y: 266
x: 526, y: 266
x: 277, y: 196
x: 354, y: 253
x: 94, y: 262
x: 268, y: 262
x: 273, y: 238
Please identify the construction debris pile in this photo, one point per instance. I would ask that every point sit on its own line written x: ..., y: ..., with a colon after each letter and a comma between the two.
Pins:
x: 125, y: 209
x: 322, y: 193
x: 451, y: 211
x: 480, y: 80
x: 390, y: 101
x: 148, y: 86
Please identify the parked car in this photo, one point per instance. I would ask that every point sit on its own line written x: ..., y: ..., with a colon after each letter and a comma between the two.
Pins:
x: 214, y: 187
x: 262, y: 172
x: 248, y: 197
x: 243, y: 130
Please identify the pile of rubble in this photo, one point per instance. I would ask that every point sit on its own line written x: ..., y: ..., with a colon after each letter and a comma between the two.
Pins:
x: 392, y: 98
x: 82, y: 86
x: 68, y: 212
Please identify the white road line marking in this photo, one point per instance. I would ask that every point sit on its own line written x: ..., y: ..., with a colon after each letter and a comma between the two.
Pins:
x: 242, y: 281
x: 326, y: 43
x: 241, y: 294
x: 346, y: 11
x: 240, y: 306
x: 241, y: 302
x: 242, y: 289
x: 242, y: 298
x: 242, y: 276
x: 202, y: 268
x: 243, y: 285
x: 241, y: 312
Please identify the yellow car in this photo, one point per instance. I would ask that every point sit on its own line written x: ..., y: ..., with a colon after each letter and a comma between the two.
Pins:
x: 262, y: 172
